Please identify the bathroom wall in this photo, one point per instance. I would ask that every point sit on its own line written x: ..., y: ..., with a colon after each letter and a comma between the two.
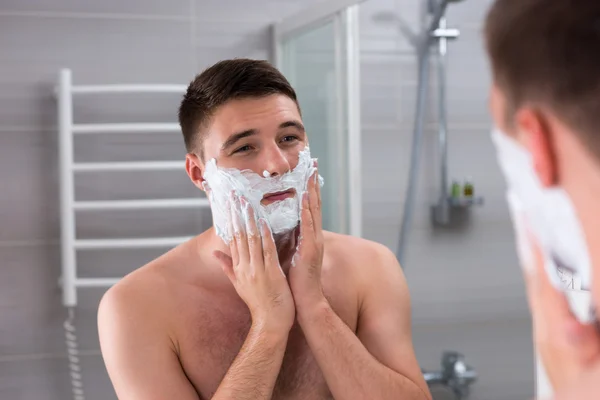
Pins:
x: 465, y: 282
x: 133, y: 41
x: 465, y: 285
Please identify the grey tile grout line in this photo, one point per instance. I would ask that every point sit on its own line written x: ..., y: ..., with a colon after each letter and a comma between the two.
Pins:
x: 84, y: 15
x: 193, y: 36
x: 27, y: 129
x: 29, y: 243
x: 47, y: 356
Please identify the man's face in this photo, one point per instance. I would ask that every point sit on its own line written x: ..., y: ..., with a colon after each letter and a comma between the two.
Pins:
x: 259, y: 134
x: 254, y: 148
x: 539, y: 157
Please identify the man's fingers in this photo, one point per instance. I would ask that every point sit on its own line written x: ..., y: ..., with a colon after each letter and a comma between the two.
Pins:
x: 254, y: 241
x: 226, y: 263
x: 315, y: 202
x: 239, y: 232
x: 544, y: 296
x: 230, y: 232
x: 307, y: 224
x: 271, y: 259
x: 306, y: 237
x: 553, y: 320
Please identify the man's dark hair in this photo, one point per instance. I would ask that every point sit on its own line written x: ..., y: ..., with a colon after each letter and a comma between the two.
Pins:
x: 547, y: 53
x: 224, y: 81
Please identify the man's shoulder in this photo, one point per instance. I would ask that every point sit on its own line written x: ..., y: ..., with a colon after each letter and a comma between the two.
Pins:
x: 135, y: 292
x: 144, y: 290
x: 355, y: 247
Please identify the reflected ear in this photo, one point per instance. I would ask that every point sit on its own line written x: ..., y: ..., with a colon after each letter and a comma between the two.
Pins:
x: 195, y: 169
x: 535, y: 133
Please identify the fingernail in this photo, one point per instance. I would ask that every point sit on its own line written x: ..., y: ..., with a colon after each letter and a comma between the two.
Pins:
x: 316, y: 176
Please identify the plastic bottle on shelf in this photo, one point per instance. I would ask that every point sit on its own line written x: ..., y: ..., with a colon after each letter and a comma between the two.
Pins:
x: 455, y: 192
x: 468, y: 189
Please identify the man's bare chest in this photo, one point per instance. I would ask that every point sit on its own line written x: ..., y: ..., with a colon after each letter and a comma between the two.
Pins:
x: 206, y: 358
x: 209, y: 339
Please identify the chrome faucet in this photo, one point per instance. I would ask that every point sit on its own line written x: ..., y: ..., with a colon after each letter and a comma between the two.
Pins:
x: 455, y: 375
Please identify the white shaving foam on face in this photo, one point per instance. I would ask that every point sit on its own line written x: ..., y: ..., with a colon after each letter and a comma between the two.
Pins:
x: 282, y: 216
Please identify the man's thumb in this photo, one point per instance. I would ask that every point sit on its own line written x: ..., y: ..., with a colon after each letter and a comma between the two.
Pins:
x: 584, y: 339
x: 226, y: 264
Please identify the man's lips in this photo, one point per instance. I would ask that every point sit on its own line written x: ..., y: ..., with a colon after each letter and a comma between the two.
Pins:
x: 278, y: 196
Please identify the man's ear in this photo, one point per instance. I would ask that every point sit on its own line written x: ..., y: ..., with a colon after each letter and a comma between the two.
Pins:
x: 534, y: 131
x: 195, y: 169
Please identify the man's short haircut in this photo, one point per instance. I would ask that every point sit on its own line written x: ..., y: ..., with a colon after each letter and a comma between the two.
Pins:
x: 224, y: 81
x: 546, y: 53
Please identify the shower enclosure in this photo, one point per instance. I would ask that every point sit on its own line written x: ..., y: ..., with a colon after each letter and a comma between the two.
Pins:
x: 318, y: 52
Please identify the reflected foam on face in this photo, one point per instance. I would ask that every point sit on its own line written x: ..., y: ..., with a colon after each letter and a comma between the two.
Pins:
x: 548, y: 214
x: 282, y: 213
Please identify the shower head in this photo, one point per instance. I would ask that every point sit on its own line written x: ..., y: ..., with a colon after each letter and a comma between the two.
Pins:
x: 437, y: 10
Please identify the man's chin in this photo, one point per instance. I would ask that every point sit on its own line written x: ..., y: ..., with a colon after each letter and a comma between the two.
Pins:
x: 287, y: 235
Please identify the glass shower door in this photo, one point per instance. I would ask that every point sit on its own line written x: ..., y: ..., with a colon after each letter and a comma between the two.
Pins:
x: 320, y: 61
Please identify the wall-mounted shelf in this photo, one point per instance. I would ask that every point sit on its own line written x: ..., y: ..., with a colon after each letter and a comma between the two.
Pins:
x: 465, y: 202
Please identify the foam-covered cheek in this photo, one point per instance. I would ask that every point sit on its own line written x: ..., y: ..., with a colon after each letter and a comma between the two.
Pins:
x: 281, y: 216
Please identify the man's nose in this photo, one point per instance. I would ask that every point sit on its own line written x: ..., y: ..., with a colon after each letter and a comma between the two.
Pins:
x: 276, y: 162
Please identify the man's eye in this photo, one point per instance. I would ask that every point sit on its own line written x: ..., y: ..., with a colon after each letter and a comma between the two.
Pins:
x: 243, y: 149
x: 289, y: 138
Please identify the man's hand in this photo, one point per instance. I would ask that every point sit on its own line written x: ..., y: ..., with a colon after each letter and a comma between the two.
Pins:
x: 586, y: 387
x: 305, y: 272
x: 566, y: 346
x: 254, y: 270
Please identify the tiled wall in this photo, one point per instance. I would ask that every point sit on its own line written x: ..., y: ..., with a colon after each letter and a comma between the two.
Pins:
x: 446, y: 266
x: 464, y: 279
x: 133, y: 41
x: 457, y: 278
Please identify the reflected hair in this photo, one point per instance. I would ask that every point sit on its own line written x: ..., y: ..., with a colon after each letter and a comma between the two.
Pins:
x: 545, y: 54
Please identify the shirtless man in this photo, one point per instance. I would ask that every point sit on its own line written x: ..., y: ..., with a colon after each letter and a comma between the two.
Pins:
x: 212, y: 321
